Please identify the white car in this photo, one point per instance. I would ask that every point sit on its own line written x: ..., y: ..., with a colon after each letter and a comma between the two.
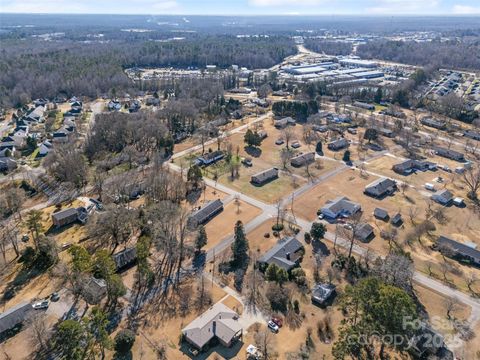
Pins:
x: 41, y: 305
x: 272, y: 326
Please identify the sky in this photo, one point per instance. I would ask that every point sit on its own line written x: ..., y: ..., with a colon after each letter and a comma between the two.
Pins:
x: 246, y: 7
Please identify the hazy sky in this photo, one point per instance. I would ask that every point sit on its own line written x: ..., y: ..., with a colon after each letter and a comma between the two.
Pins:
x: 247, y: 7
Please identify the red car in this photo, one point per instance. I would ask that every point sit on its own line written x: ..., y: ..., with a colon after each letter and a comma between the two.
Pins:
x: 278, y: 321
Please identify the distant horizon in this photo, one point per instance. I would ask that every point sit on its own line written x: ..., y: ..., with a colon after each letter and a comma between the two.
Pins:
x: 245, y: 7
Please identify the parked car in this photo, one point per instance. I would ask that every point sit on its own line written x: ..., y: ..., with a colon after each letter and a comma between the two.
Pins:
x: 279, y: 142
x: 247, y: 162
x: 55, y: 297
x: 41, y: 305
x: 296, y: 145
x: 272, y: 326
x: 277, y: 320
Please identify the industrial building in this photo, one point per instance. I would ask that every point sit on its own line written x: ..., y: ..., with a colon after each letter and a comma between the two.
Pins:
x: 358, y: 63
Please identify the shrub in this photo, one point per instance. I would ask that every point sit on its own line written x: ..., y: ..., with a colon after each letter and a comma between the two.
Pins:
x: 308, y: 238
x: 124, y: 341
x: 277, y: 227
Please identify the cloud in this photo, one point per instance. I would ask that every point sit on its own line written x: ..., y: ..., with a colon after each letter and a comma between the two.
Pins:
x: 403, y: 6
x: 90, y: 6
x: 265, y: 3
x: 466, y: 10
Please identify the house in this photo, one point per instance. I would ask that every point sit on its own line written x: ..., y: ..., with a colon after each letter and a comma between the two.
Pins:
x: 472, y: 134
x: 286, y: 254
x: 283, y: 123
x: 94, y: 290
x: 381, y: 188
x: 264, y: 177
x: 303, y: 159
x: 426, y: 342
x: 219, y: 322
x: 134, y: 106
x: 338, y: 144
x: 68, y: 216
x: 205, y: 213
x: 210, y: 158
x: 60, y: 136
x: 341, y: 206
x: 35, y: 115
x: 457, y: 250
x: 386, y: 132
x: 364, y: 232
x: 443, y: 197
x: 125, y: 258
x: 437, y: 124
x: 152, y: 101
x: 45, y: 148
x: 449, y: 154
x: 409, y: 166
x: 15, y: 316
x: 363, y: 105
x: 396, y: 219
x: 381, y: 214
x: 322, y: 294
x: 114, y: 105
x: 7, y: 164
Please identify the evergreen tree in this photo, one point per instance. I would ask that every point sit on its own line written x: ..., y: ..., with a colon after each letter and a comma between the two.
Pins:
x: 346, y: 156
x: 318, y: 148
x: 240, y: 246
x: 318, y: 231
x: 201, y: 239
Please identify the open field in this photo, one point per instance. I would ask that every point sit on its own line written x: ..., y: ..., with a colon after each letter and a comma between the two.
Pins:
x: 223, y: 224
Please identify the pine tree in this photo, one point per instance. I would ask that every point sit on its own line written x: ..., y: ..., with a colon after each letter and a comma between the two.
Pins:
x: 240, y: 246
x: 201, y: 239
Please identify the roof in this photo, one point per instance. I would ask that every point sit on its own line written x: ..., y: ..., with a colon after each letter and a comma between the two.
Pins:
x: 447, y: 152
x: 321, y: 292
x: 265, y: 175
x: 202, y: 214
x: 380, y: 213
x: 444, y: 194
x: 380, y: 186
x: 279, y: 252
x: 396, y: 219
x: 364, y: 231
x: 125, y: 257
x: 459, y: 248
x: 303, y: 158
x: 219, y: 321
x: 211, y: 155
x: 65, y: 214
x: 340, y: 204
x: 342, y: 142
x: 14, y: 316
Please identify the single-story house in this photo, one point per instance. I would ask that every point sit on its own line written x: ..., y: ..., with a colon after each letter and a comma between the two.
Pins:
x: 69, y: 216
x: 364, y: 105
x: 264, y: 177
x: 437, y: 124
x: 114, y: 105
x: 95, y: 290
x: 15, y: 316
x: 7, y: 164
x: 472, y: 134
x: 219, y: 322
x: 364, y: 232
x: 210, y: 158
x: 381, y: 214
x: 386, y: 132
x: 283, y: 123
x: 409, y: 166
x: 458, y: 250
x: 449, y: 154
x: 125, y: 258
x: 286, y: 254
x: 205, y: 213
x: 426, y: 342
x: 322, y: 294
x: 341, y: 206
x: 303, y: 159
x: 381, y: 187
x: 45, y: 148
x: 338, y: 144
x: 60, y: 136
x: 396, y: 219
x: 443, y: 197
x: 36, y: 114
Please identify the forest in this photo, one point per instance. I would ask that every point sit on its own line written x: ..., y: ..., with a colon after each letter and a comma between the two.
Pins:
x: 449, y: 54
x: 31, y: 69
x: 329, y: 47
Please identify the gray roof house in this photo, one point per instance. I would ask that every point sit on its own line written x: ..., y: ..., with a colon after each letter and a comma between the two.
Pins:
x: 449, y: 154
x: 338, y: 144
x: 205, y: 213
x: 283, y: 123
x: 14, y: 316
x: 443, y: 197
x: 210, y: 158
x: 65, y: 217
x: 381, y: 214
x: 381, y: 187
x: 125, y: 258
x: 396, y: 219
x: 303, y: 159
x: 286, y: 254
x: 437, y: 124
x: 94, y: 290
x: 472, y: 134
x: 364, y: 232
x: 218, y: 322
x: 264, y: 177
x: 341, y: 206
x: 409, y: 166
x: 458, y: 250
x: 322, y: 294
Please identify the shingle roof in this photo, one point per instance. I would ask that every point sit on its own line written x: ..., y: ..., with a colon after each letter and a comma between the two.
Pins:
x: 265, y: 175
x: 125, y: 257
x: 278, y: 253
x: 380, y: 186
x: 459, y: 248
x: 65, y: 214
x: 341, y: 203
x: 14, y: 316
x: 202, y: 214
x: 380, y: 213
x: 219, y: 321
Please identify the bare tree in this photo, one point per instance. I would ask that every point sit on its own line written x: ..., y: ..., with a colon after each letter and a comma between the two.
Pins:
x: 288, y: 135
x: 451, y: 305
x: 471, y: 177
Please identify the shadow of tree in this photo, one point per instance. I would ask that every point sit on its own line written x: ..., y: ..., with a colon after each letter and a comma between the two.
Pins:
x: 253, y: 151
